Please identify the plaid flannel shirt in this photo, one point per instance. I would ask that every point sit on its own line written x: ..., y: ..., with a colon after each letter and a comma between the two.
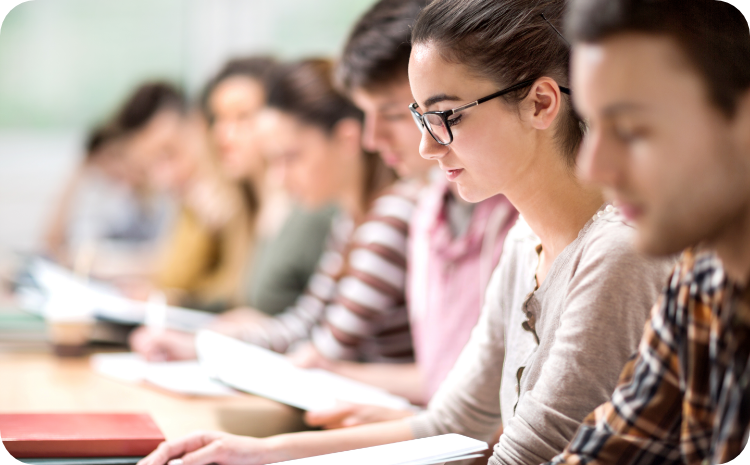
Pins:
x: 684, y: 397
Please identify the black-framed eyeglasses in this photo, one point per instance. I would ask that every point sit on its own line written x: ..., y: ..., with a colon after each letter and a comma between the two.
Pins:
x: 438, y: 124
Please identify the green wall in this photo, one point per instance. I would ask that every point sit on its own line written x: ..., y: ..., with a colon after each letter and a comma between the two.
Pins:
x: 66, y: 63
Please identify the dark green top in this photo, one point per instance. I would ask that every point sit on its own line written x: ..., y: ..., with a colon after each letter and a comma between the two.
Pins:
x: 283, y: 264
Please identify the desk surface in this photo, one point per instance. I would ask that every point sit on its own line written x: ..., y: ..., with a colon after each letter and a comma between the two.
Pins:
x: 41, y: 382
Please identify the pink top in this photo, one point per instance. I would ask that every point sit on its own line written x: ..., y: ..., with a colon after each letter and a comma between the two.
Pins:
x: 447, y: 276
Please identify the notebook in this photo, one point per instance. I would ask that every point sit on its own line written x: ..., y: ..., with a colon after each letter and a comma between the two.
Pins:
x: 427, y: 451
x: 261, y: 372
x: 58, y: 435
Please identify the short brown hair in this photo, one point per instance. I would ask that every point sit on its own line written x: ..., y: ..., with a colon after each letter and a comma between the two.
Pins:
x: 507, y: 41
x: 378, y: 48
x: 305, y: 90
x: 713, y: 35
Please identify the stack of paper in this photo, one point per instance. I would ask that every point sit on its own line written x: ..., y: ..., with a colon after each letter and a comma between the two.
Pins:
x: 427, y: 451
x: 262, y: 372
x: 181, y: 377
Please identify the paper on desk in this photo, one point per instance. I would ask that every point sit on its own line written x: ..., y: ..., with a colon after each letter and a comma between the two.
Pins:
x: 70, y: 297
x: 181, y: 377
x: 426, y: 451
x: 262, y: 372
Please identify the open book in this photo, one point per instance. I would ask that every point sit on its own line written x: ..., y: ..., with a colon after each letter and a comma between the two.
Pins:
x: 261, y: 372
x: 427, y: 451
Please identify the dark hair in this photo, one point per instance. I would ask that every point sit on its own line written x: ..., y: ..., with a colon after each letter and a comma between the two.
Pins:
x: 98, y: 138
x: 713, y: 35
x: 305, y: 90
x: 145, y: 102
x: 257, y: 68
x: 378, y: 48
x: 507, y: 41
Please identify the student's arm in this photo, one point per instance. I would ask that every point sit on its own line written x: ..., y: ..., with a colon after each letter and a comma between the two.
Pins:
x: 607, y: 303
x: 226, y: 449
x: 370, y: 297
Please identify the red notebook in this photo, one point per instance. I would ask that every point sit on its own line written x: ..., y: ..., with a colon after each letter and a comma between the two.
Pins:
x: 58, y: 435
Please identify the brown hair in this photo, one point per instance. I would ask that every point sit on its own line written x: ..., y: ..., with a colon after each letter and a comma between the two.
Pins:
x: 378, y: 48
x: 507, y: 41
x: 713, y: 35
x: 147, y: 101
x: 257, y: 68
x: 305, y: 90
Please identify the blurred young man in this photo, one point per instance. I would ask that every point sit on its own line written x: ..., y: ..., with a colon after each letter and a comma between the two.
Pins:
x: 665, y: 87
x: 453, y: 245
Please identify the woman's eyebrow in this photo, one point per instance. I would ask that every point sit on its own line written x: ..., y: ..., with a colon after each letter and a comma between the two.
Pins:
x: 440, y: 98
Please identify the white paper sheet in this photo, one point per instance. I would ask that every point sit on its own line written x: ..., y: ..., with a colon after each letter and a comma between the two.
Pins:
x: 426, y: 451
x: 70, y: 297
x: 262, y: 372
x: 181, y: 377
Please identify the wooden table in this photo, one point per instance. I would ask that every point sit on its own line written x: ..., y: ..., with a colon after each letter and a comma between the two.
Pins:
x: 41, y: 382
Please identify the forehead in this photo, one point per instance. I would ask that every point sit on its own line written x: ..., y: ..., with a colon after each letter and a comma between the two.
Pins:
x: 632, y: 69
x: 395, y: 92
x: 430, y: 74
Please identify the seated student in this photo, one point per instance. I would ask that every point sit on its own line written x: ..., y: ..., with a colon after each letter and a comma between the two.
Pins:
x: 566, y: 306
x: 203, y: 260
x: 107, y: 215
x: 666, y: 87
x: 353, y: 307
x: 287, y: 240
x: 453, y: 245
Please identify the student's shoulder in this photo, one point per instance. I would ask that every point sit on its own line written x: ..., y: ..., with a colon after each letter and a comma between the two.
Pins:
x: 609, y: 240
x: 396, y: 202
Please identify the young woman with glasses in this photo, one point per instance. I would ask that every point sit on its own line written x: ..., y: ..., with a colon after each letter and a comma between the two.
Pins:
x: 566, y: 306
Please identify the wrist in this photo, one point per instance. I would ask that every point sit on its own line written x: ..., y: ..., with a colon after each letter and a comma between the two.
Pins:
x: 277, y: 449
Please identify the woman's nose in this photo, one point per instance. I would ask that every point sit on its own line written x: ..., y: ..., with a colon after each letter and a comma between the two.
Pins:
x: 429, y: 149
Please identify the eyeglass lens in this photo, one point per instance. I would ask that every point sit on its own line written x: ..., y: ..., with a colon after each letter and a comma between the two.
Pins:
x: 437, y: 127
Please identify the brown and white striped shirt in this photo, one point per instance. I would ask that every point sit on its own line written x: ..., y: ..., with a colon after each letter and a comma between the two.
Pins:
x: 354, y: 305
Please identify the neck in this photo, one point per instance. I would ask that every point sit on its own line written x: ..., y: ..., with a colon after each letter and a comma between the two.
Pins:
x: 353, y: 191
x: 554, y: 203
x: 733, y: 247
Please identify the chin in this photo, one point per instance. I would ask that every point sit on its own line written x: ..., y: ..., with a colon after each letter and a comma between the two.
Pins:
x: 471, y: 194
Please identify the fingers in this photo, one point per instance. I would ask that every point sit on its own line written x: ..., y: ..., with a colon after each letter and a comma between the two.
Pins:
x: 173, y: 449
x: 332, y: 418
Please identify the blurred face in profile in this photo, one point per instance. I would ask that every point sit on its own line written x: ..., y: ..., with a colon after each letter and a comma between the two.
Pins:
x: 313, y: 164
x: 234, y: 104
x: 168, y: 148
x: 389, y: 128
x: 672, y: 161
x: 113, y: 160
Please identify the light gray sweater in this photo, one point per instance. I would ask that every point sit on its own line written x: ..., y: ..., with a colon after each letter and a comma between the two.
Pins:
x: 589, y: 315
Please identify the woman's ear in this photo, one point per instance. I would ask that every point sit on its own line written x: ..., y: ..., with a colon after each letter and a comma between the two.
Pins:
x: 347, y: 134
x: 546, y: 99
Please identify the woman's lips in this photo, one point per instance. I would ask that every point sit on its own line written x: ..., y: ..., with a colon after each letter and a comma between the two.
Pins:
x: 453, y: 174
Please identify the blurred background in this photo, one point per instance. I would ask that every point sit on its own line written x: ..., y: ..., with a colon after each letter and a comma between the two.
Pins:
x: 66, y: 64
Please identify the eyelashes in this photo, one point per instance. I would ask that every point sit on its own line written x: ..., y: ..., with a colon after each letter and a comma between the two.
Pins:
x: 454, y: 121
